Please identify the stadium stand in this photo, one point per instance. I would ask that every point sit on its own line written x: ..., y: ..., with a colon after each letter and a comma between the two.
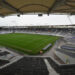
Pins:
x: 68, y: 47
x: 38, y: 30
x: 37, y: 66
x: 66, y: 52
x: 62, y: 69
x: 71, y: 40
x: 26, y: 66
x: 3, y: 62
x: 4, y: 53
x: 32, y: 65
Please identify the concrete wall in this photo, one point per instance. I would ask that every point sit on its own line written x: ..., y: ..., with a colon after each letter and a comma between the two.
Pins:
x: 62, y: 69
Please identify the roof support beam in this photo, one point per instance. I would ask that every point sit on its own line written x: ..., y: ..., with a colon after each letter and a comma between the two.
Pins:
x: 69, y: 3
x: 5, y: 4
x: 63, y: 11
x: 57, y: 2
x: 49, y: 10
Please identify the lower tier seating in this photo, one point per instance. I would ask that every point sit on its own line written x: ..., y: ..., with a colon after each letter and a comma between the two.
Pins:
x: 26, y: 66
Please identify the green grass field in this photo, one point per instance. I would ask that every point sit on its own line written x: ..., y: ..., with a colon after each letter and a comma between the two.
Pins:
x: 27, y: 43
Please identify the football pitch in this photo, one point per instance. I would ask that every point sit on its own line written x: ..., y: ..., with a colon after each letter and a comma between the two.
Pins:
x: 27, y: 43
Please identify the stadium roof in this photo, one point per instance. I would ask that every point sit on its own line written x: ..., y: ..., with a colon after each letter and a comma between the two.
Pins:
x: 8, y: 7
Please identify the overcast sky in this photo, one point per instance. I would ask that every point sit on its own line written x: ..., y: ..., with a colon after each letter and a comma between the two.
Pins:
x: 27, y: 20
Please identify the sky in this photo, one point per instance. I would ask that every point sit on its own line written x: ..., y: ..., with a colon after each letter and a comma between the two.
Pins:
x: 32, y: 20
